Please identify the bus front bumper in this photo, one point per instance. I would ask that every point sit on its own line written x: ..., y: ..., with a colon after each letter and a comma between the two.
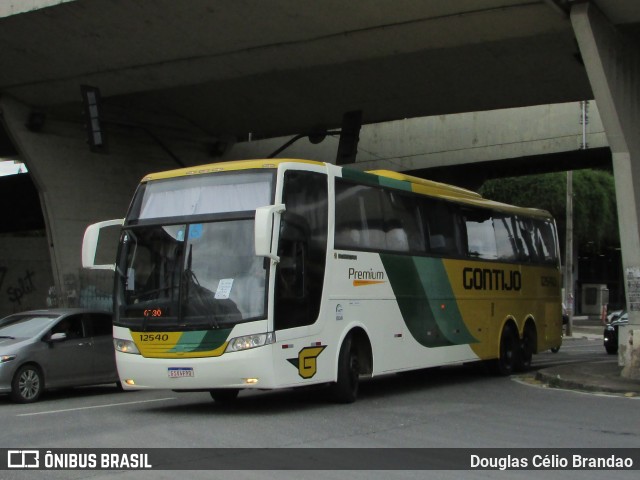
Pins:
x: 247, y: 369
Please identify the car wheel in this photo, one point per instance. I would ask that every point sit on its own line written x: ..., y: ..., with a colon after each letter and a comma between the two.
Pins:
x: 27, y: 384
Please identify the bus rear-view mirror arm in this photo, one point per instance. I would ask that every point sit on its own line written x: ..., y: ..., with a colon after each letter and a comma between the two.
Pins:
x: 265, y: 220
x: 90, y: 244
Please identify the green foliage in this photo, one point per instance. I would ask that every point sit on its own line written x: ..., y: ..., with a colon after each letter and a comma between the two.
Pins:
x: 595, y: 219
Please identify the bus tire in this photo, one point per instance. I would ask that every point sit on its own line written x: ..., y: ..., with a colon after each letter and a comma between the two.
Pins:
x: 527, y: 347
x: 345, y: 390
x: 509, y: 349
x: 224, y: 395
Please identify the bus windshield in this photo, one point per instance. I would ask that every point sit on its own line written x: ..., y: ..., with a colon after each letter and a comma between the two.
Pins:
x: 187, y: 256
x: 190, y: 276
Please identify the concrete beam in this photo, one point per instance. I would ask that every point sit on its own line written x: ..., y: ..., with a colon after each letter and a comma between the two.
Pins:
x: 613, y: 66
x: 446, y: 141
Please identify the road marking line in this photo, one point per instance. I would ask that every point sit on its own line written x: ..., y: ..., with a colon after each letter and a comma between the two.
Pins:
x: 94, y: 406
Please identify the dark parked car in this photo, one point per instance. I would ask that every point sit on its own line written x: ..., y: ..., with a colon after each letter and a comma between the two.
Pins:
x: 610, y: 335
x: 44, y: 349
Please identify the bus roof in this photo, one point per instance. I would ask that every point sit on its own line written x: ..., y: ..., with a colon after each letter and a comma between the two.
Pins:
x: 223, y: 167
x: 391, y: 179
x: 456, y: 194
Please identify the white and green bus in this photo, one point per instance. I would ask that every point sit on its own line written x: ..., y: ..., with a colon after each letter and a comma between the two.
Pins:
x: 270, y: 274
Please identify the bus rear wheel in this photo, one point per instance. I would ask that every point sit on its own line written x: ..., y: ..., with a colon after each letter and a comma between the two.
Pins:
x: 509, y: 352
x: 345, y: 390
x: 527, y: 347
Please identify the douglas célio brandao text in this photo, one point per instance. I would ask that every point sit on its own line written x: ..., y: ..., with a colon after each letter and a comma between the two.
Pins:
x: 550, y: 462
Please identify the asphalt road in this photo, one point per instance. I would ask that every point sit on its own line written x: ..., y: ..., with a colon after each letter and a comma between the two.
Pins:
x: 459, y: 407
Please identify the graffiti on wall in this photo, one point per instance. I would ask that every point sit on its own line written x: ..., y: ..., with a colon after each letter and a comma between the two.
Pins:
x: 16, y: 291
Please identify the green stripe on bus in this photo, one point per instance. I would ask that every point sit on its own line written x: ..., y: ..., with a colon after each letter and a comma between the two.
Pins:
x: 360, y: 177
x: 426, y: 300
x: 368, y: 178
x: 201, y: 340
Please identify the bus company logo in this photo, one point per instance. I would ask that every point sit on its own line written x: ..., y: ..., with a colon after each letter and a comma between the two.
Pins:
x: 307, y: 361
x: 23, y: 459
x: 491, y: 279
x: 363, y: 278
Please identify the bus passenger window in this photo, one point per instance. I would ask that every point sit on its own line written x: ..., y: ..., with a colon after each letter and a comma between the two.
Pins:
x: 440, y: 221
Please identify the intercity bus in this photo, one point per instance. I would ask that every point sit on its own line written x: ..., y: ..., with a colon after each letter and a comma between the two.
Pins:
x: 270, y: 274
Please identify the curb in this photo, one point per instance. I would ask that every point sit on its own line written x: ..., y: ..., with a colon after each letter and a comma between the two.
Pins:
x: 590, y: 377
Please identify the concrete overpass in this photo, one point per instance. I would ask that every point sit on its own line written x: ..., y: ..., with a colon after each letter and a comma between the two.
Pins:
x: 466, y: 149
x: 181, y: 82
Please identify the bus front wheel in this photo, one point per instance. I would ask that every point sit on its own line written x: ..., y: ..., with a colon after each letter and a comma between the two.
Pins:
x: 345, y: 390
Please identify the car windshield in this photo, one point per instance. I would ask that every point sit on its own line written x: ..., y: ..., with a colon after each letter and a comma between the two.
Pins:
x: 25, y: 326
x: 190, y: 276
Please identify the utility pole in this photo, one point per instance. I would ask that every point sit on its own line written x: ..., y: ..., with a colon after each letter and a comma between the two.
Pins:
x: 568, y: 273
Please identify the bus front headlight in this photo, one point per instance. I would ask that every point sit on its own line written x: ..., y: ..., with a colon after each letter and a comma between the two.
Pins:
x: 125, y: 346
x: 250, y: 341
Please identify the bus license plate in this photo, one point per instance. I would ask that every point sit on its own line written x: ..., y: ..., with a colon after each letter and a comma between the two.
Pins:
x: 175, y: 372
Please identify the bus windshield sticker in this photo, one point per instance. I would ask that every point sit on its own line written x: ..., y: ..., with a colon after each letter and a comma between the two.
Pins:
x: 195, y: 231
x: 224, y: 288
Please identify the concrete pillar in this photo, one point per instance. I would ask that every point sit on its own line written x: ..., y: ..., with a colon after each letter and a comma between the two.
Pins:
x: 78, y: 187
x: 613, y: 66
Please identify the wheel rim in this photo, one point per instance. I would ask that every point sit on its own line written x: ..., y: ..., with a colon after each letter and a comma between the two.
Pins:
x: 29, y: 384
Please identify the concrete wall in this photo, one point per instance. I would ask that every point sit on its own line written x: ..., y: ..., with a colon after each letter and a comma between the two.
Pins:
x: 25, y: 272
x: 78, y: 187
x: 14, y: 7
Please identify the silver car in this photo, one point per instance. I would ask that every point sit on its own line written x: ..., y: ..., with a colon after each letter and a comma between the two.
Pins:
x: 55, y: 348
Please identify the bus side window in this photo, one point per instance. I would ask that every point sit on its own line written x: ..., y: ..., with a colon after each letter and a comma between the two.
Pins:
x: 441, y: 227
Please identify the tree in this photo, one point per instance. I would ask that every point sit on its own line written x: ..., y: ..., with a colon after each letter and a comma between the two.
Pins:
x: 595, y: 218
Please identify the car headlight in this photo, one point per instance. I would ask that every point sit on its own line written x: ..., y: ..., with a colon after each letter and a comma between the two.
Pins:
x: 250, y: 341
x: 125, y: 346
x: 7, y: 358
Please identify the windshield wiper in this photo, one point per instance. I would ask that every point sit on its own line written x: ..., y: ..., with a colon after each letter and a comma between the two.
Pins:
x: 193, y: 289
x: 7, y: 336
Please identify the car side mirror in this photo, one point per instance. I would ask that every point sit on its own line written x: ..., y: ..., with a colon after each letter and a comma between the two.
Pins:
x: 58, y: 337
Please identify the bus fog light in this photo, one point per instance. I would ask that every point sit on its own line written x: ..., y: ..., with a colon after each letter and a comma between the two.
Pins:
x: 250, y: 341
x: 129, y: 381
x: 125, y: 346
x: 250, y: 381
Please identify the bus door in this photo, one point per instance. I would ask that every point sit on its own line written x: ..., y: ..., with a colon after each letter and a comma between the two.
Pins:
x: 300, y: 272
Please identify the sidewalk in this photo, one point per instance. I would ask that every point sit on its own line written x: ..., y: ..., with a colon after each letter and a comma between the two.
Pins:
x: 598, y: 376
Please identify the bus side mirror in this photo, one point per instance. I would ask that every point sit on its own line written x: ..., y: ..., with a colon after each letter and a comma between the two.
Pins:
x: 265, y: 219
x: 90, y: 244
